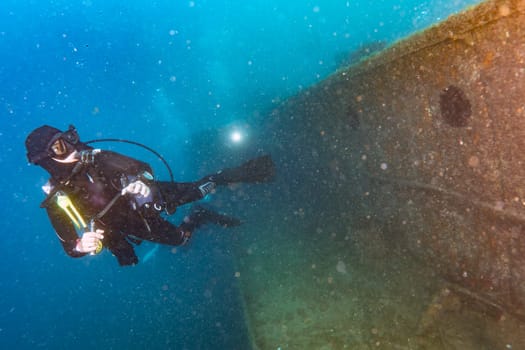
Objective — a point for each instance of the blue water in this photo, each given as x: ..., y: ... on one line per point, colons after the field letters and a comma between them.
x: 169, y: 74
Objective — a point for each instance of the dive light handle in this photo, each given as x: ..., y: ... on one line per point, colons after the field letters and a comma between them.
x: 92, y: 228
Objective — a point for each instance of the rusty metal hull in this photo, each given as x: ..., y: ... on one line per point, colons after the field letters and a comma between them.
x: 427, y: 140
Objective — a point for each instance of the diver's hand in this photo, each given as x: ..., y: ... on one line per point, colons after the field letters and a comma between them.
x: 90, y: 242
x: 137, y: 187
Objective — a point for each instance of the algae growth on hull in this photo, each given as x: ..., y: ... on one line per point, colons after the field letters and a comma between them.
x: 387, y: 233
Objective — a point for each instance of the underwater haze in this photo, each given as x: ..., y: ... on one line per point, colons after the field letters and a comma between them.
x: 178, y: 76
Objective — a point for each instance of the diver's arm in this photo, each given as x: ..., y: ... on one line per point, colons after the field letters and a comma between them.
x: 65, y: 231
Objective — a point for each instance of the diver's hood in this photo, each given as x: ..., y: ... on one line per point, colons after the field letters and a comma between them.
x: 38, y: 146
x: 38, y: 143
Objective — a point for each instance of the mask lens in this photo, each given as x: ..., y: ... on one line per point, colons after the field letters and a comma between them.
x: 59, y: 147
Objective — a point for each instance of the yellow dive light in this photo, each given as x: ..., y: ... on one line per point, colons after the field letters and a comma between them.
x: 67, y: 206
x: 64, y: 202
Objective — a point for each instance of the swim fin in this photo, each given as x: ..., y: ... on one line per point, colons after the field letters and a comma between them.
x: 257, y: 170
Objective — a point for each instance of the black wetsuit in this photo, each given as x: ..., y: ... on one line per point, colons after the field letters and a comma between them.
x: 131, y: 218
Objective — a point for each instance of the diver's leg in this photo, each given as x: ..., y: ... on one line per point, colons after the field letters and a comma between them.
x: 161, y: 231
x: 179, y: 193
x: 257, y: 170
x: 201, y: 216
x: 121, y: 249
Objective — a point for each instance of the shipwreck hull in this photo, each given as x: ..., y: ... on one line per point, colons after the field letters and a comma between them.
x: 425, y: 140
x: 436, y: 124
x: 418, y: 150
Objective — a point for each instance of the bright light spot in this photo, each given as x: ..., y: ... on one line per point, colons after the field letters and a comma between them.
x: 236, y: 136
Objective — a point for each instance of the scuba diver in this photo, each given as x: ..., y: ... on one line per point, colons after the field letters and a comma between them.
x: 113, y: 201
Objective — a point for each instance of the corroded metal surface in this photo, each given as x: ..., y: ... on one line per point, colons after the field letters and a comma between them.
x: 427, y: 139
x: 399, y: 216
